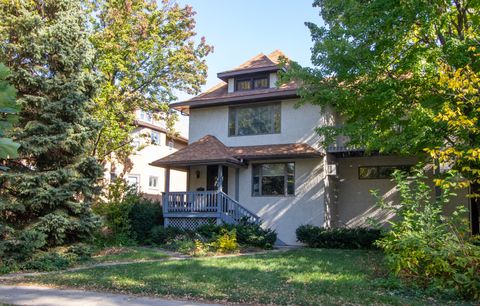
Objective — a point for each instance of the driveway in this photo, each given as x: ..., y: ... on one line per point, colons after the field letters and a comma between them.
x: 44, y: 296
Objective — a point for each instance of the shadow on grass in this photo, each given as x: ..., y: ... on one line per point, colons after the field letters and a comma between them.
x: 308, y: 277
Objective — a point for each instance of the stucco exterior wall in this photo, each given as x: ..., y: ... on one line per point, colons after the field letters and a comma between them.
x: 140, y: 168
x: 286, y: 213
x: 282, y: 213
x: 355, y: 204
x: 297, y: 125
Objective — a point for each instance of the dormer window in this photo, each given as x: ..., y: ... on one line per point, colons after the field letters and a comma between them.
x: 252, y: 82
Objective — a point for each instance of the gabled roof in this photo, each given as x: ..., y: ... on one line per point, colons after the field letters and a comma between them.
x: 219, y: 95
x: 157, y: 128
x: 207, y: 150
x: 210, y: 150
x: 259, y: 63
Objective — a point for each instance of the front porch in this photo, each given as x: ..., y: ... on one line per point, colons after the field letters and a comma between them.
x: 191, y: 209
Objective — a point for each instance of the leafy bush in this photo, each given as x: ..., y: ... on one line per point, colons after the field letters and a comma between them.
x: 226, y: 241
x: 338, y: 238
x: 427, y: 248
x: 47, y: 262
x: 144, y: 215
x: 183, y: 245
x: 252, y: 234
x: 128, y: 218
x: 24, y: 246
x: 248, y: 234
x: 162, y: 235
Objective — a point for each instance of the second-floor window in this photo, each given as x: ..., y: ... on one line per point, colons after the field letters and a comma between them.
x: 146, y: 116
x: 155, y: 136
x: 249, y: 83
x: 254, y: 119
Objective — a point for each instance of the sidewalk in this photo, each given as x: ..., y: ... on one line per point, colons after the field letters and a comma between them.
x: 37, y: 295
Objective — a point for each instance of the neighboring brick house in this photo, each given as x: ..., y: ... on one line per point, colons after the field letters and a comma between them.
x: 254, y: 154
x: 150, y: 140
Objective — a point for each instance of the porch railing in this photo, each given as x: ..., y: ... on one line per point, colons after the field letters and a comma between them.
x: 215, y: 203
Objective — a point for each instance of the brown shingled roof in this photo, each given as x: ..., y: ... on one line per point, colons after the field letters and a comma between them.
x: 274, y: 151
x: 206, y: 150
x: 219, y: 94
x: 210, y: 150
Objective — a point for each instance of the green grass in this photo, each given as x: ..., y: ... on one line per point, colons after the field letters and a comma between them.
x: 128, y: 254
x: 300, y: 277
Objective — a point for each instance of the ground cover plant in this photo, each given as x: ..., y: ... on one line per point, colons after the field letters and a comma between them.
x: 214, y: 239
x: 298, y: 277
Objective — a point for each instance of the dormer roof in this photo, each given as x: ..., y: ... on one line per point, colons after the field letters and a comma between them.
x: 259, y: 63
x: 220, y: 95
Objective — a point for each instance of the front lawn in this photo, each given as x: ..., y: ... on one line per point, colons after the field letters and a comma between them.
x: 301, y: 277
x: 123, y: 254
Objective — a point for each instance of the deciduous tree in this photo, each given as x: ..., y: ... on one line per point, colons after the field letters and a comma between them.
x: 145, y: 52
x: 379, y: 64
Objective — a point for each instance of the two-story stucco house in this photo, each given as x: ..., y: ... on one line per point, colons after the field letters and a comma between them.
x: 252, y: 153
x: 150, y: 140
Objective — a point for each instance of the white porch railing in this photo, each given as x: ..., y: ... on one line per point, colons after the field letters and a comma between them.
x: 206, y: 204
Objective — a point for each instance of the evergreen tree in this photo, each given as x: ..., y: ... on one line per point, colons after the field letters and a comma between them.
x: 45, y: 196
x: 8, y: 109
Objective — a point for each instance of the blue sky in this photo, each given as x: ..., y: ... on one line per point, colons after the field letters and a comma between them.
x: 239, y: 30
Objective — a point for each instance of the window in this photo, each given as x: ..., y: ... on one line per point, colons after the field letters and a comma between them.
x: 273, y: 179
x: 146, y: 116
x: 380, y: 172
x: 155, y: 137
x: 133, y: 180
x: 153, y: 181
x: 136, y: 143
x: 254, y: 120
x: 257, y: 82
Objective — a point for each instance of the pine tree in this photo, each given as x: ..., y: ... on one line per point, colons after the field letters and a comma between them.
x: 45, y: 197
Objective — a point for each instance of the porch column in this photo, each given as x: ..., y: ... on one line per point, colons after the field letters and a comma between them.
x: 165, y: 196
x: 220, y: 178
x: 237, y: 184
x: 167, y: 180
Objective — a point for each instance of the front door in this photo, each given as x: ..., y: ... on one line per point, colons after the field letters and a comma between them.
x: 212, y: 178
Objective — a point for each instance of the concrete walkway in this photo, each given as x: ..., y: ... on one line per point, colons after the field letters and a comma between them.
x: 44, y: 296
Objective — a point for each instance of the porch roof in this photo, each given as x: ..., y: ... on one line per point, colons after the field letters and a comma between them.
x: 209, y: 150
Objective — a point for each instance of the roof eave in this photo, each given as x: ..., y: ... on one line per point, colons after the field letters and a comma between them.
x: 185, y: 106
x: 225, y: 75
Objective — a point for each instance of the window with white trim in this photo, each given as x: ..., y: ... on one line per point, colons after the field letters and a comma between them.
x: 146, y: 116
x: 155, y: 136
x: 153, y: 181
x: 273, y: 179
x: 133, y: 180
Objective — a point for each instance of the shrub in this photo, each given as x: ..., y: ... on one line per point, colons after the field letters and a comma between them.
x: 47, y: 262
x: 427, y: 248
x: 144, y: 215
x: 128, y: 218
x: 226, y: 241
x: 184, y: 245
x: 252, y: 234
x: 338, y: 238
x: 79, y: 252
x: 29, y: 242
x: 162, y: 235
x: 248, y: 234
